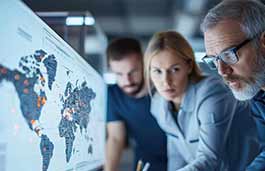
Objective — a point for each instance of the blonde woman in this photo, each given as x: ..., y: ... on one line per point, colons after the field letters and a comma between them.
x: 197, y: 112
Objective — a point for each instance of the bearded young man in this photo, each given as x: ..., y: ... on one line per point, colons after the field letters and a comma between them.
x: 128, y: 113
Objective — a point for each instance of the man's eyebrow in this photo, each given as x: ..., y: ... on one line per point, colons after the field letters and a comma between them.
x: 228, y: 48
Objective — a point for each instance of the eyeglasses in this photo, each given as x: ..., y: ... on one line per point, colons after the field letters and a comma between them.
x: 228, y: 56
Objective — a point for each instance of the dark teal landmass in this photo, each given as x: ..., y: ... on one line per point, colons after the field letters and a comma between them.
x: 46, y: 148
x: 51, y: 64
x: 31, y: 102
x: 78, y: 101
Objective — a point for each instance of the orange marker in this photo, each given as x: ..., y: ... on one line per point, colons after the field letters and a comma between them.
x: 43, y: 101
x: 33, y: 122
x: 42, y: 78
x: 38, y: 101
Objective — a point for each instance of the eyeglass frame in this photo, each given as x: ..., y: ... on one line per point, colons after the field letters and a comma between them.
x: 233, y: 50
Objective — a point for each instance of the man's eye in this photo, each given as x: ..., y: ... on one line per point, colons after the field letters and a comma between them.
x: 118, y: 74
x: 133, y: 72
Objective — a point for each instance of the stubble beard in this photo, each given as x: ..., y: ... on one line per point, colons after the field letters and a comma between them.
x: 139, y: 88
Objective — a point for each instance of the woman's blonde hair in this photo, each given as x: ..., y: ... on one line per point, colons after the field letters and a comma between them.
x: 175, y: 43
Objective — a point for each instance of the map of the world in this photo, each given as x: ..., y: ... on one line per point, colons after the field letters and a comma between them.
x: 52, y: 101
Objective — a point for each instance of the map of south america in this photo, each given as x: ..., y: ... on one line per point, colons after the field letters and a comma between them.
x: 29, y: 83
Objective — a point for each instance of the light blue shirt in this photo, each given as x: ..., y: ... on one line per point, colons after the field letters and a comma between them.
x: 209, y: 134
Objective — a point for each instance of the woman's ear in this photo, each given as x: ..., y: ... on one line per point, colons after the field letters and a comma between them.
x: 190, y: 65
x: 262, y: 40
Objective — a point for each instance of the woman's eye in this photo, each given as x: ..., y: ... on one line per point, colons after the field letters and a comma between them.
x: 173, y: 70
x: 156, y: 71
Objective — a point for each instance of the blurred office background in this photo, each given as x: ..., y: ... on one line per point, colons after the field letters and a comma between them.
x: 88, y: 26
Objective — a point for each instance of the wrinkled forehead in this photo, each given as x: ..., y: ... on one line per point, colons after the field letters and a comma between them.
x: 222, y: 36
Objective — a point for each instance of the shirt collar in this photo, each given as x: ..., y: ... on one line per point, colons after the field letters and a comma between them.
x: 186, y: 104
x: 260, y: 95
x: 170, y: 106
x: 189, y: 100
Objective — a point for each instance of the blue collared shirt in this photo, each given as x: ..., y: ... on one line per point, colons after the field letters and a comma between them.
x: 258, y: 108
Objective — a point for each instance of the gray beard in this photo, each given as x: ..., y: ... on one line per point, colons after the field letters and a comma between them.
x: 251, y: 89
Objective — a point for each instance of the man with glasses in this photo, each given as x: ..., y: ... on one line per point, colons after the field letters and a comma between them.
x: 235, y: 46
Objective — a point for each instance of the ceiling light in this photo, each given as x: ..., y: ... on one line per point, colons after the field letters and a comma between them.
x: 74, y: 21
x: 89, y: 21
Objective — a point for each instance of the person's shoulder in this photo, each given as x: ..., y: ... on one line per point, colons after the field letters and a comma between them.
x: 257, y: 103
x: 113, y: 88
x: 156, y: 98
x: 211, y: 84
x: 157, y: 103
x: 209, y: 81
x: 114, y: 91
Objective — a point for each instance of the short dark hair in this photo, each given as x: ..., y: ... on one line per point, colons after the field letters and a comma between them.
x: 119, y: 48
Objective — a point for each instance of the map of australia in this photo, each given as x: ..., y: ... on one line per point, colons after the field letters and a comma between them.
x: 31, y: 82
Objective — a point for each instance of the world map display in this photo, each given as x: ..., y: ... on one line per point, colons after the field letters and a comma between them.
x: 52, y: 101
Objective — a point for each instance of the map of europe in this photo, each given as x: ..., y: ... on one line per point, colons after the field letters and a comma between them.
x: 30, y: 85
